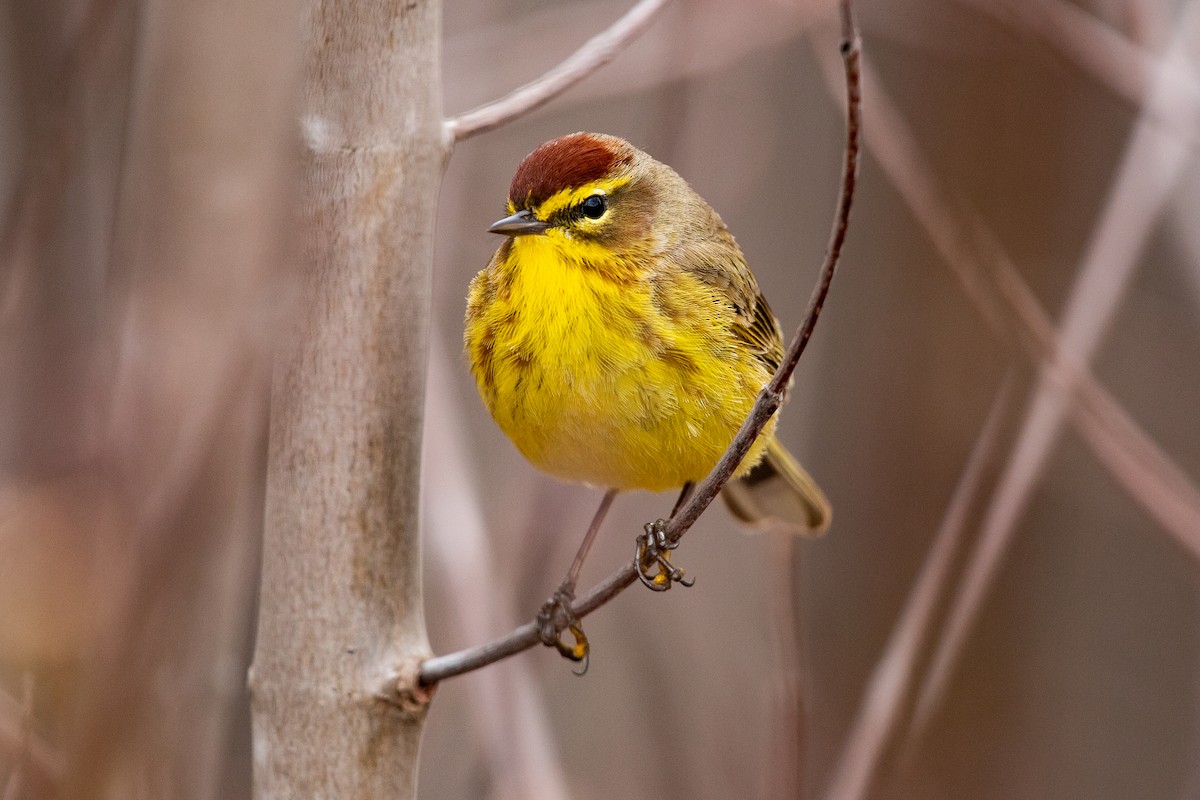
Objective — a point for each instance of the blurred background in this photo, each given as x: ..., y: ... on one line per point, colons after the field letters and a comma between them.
x: 1007, y: 602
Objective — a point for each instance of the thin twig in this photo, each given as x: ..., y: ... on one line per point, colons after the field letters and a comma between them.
x: 439, y: 668
x: 594, y: 54
x: 893, y: 683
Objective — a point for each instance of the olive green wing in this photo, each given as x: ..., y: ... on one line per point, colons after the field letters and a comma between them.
x: 716, y: 260
x: 762, y: 334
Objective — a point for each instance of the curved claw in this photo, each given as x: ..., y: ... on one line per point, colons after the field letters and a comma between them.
x: 577, y: 652
x: 653, y: 550
x: 654, y: 583
x: 550, y: 630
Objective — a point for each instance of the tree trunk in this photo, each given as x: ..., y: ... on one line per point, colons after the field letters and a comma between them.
x: 341, y: 606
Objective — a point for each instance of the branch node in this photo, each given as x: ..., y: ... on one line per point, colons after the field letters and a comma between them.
x: 404, y: 690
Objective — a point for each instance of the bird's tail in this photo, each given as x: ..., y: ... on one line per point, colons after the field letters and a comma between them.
x: 778, y: 495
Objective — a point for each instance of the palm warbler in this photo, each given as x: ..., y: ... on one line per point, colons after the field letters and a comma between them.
x: 619, y: 339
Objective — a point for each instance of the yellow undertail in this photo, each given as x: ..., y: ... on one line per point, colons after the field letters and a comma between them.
x: 778, y: 495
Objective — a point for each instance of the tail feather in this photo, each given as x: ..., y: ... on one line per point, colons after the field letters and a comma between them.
x: 778, y: 495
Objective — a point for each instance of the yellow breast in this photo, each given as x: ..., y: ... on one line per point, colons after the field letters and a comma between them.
x: 617, y: 378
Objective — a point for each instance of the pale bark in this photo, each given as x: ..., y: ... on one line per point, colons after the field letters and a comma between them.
x: 341, y: 609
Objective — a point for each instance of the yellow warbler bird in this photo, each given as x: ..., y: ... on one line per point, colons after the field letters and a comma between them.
x: 619, y: 339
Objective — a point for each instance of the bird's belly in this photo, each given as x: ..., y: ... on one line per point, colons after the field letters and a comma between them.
x: 619, y: 430
x: 609, y: 393
x: 609, y: 437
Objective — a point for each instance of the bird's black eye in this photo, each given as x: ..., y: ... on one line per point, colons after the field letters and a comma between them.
x: 594, y: 206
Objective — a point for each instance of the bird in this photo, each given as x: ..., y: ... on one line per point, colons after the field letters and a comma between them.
x: 619, y: 339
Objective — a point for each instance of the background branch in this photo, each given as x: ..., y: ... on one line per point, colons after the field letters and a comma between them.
x: 510, y: 714
x: 594, y: 54
x: 993, y: 283
x: 1126, y: 68
x: 1150, y: 171
x: 891, y: 691
x: 33, y: 758
x: 1154, y: 161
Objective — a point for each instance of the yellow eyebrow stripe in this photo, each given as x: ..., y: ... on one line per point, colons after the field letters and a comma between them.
x: 569, y: 197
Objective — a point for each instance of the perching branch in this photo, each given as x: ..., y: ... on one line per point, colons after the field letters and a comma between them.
x: 769, y: 400
x: 594, y: 54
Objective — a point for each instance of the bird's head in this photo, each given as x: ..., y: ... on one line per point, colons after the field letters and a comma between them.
x: 593, y: 198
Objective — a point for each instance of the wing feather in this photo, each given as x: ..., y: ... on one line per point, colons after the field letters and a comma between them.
x: 715, y: 259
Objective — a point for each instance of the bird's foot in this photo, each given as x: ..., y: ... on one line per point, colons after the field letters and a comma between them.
x: 654, y: 552
x: 555, y: 616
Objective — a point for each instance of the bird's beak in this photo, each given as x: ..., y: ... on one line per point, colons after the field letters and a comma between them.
x: 521, y: 223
